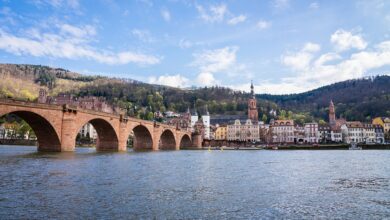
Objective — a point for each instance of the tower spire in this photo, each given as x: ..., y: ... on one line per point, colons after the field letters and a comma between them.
x: 252, y: 89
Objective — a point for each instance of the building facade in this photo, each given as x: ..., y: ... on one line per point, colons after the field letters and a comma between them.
x: 221, y: 132
x: 282, y: 131
x: 353, y: 132
x: 243, y: 131
x: 311, y: 133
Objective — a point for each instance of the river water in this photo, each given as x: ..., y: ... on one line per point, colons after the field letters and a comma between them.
x: 194, y: 184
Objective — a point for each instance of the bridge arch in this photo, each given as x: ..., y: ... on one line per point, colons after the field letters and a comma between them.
x: 142, y: 138
x: 185, y: 141
x: 107, y: 138
x: 167, y: 140
x: 47, y: 136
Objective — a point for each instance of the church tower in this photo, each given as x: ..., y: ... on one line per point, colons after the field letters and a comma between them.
x: 252, y: 108
x: 332, y: 114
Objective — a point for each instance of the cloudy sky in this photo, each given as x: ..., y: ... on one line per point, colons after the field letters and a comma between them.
x: 284, y: 46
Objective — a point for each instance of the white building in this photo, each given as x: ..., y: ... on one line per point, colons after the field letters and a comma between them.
x: 353, y: 132
x: 282, y: 131
x: 206, y: 123
x: 379, y: 134
x: 336, y: 136
x: 88, y: 130
x: 369, y: 136
x: 311, y: 133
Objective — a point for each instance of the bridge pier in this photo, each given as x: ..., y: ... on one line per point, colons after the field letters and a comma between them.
x: 68, y: 142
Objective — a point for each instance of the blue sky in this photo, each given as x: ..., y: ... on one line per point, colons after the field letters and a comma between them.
x: 284, y: 46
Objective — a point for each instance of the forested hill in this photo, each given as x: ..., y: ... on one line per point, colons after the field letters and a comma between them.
x: 359, y: 99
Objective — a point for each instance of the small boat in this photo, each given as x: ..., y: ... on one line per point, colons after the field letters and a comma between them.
x: 354, y: 146
x: 275, y: 148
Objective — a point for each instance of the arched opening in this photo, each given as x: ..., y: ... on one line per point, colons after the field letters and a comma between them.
x: 32, y: 125
x: 142, y: 139
x: 185, y: 142
x: 99, y: 133
x: 167, y: 141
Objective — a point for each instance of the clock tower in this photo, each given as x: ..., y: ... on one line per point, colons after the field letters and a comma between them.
x: 252, y: 108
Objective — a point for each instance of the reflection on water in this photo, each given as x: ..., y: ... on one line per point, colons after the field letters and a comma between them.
x: 194, y: 184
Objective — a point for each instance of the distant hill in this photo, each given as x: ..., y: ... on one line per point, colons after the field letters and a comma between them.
x: 359, y: 99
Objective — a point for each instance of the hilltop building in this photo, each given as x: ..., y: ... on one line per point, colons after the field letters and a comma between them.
x: 88, y: 102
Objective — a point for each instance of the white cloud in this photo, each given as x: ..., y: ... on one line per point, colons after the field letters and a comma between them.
x: 237, y: 19
x: 143, y: 35
x: 78, y: 32
x: 215, y: 13
x: 301, y: 60
x: 170, y: 80
x: 215, y: 60
x: 73, y: 4
x: 281, y: 4
x: 166, y: 15
x: 206, y: 79
x: 218, y: 61
x: 327, y: 68
x: 184, y: 44
x: 71, y: 43
x: 262, y: 24
x: 344, y: 40
x: 314, y: 5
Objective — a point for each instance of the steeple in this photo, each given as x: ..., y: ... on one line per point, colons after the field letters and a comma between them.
x: 332, y: 114
x: 252, y: 89
x: 195, y: 112
x: 207, y: 111
x: 252, y: 107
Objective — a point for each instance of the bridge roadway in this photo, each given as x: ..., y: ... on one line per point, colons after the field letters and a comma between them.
x: 56, y: 128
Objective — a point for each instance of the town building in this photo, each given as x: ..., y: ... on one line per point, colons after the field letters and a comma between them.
x: 282, y: 131
x: 353, y: 132
x: 311, y: 133
x: 221, y: 132
x: 369, y: 135
x: 379, y: 134
x: 181, y: 121
x: 324, y: 133
x: 385, y: 123
x: 206, y: 123
x: 265, y: 133
x: 243, y: 131
x: 336, y: 135
x: 88, y: 102
x: 88, y: 131
x: 299, y: 134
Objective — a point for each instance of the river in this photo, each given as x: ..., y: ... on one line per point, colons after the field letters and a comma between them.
x: 194, y: 184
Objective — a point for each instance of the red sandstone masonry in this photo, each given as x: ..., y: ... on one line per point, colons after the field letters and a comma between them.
x: 56, y: 128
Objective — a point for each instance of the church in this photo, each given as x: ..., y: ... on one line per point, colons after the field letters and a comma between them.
x: 246, y: 130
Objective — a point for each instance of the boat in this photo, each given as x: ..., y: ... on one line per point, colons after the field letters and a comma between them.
x: 354, y: 146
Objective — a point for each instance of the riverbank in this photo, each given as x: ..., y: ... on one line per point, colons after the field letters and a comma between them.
x: 303, y: 147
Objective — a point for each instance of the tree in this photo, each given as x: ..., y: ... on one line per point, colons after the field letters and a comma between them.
x: 264, y: 118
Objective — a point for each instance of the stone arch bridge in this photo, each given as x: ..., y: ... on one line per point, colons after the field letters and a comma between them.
x: 56, y: 128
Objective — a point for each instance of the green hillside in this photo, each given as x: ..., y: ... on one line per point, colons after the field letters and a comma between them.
x: 359, y: 99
